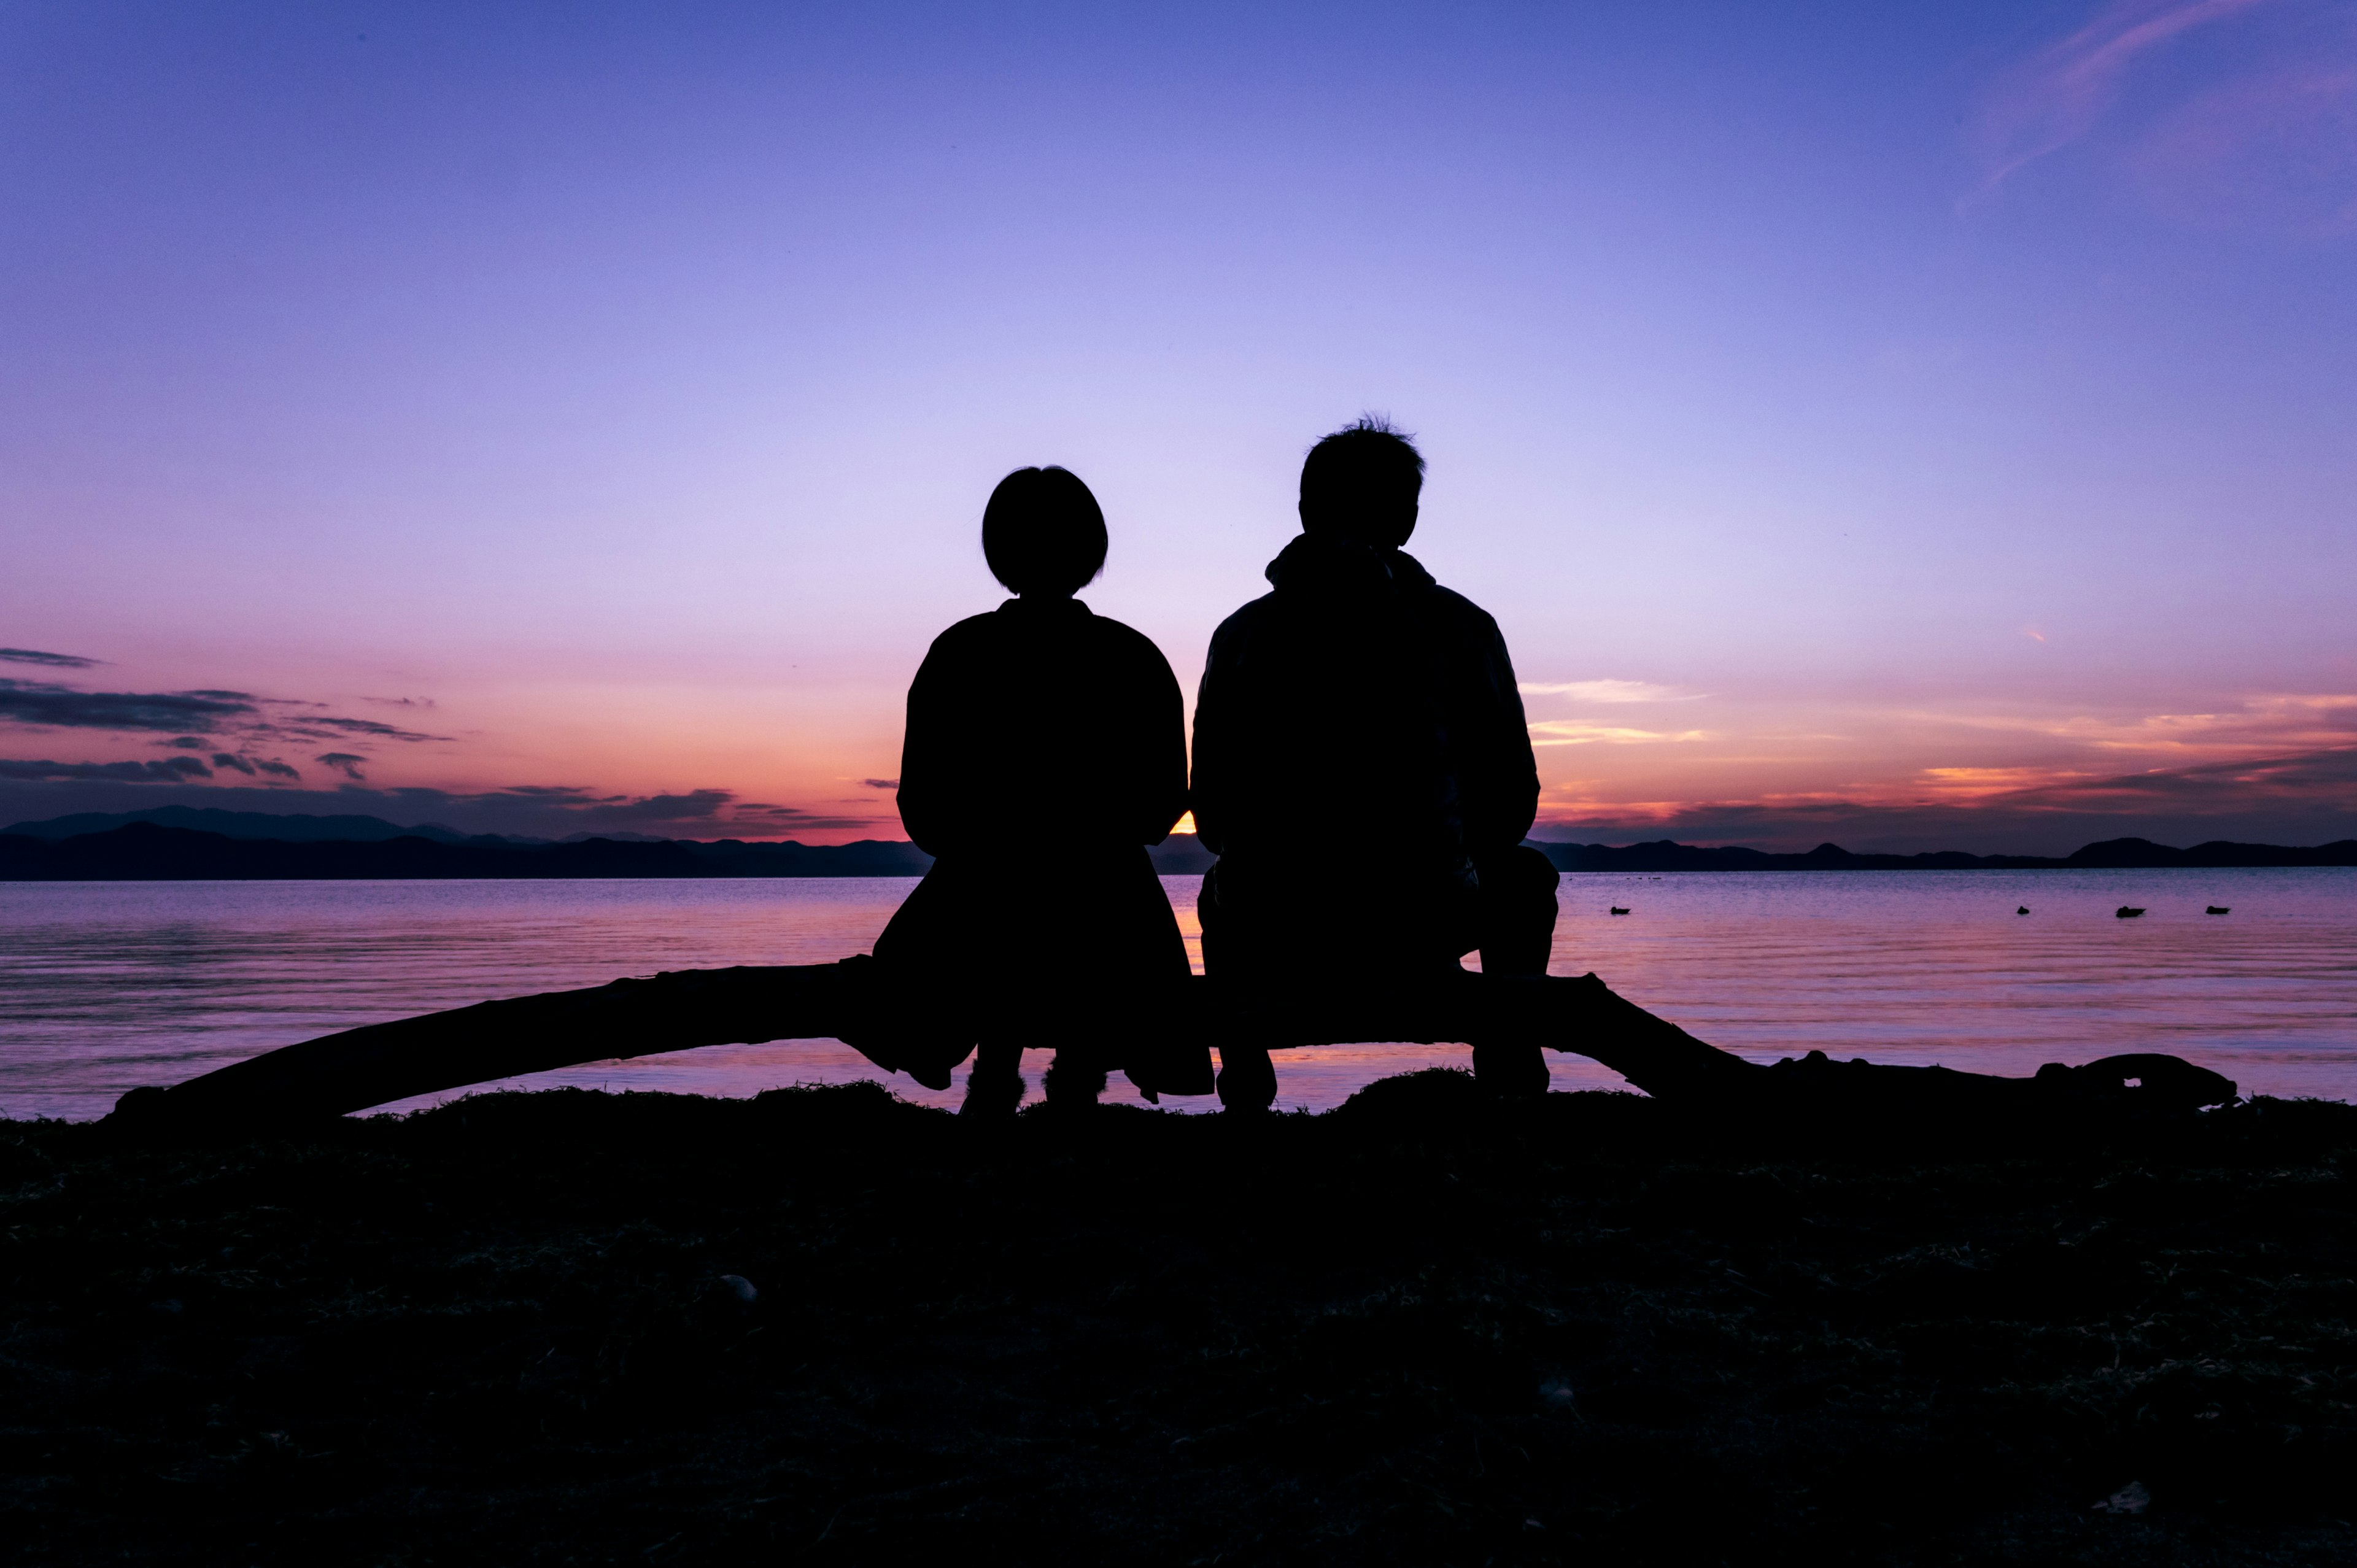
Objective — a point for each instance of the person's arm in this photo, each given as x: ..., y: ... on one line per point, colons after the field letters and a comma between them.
x: 1208, y: 793
x: 1161, y: 747
x: 931, y: 806
x: 1500, y: 782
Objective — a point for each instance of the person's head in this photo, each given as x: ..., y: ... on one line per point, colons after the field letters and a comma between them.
x: 1043, y: 533
x: 1362, y: 483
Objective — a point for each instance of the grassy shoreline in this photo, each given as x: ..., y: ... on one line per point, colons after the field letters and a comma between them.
x: 1420, y: 1329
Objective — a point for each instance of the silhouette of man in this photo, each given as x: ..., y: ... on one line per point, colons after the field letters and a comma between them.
x: 1362, y: 770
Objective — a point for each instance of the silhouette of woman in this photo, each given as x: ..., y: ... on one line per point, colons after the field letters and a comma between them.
x: 1045, y: 749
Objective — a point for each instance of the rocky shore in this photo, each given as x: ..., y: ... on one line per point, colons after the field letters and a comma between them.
x: 1424, y: 1328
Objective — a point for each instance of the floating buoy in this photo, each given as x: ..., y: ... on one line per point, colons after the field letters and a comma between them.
x: 2217, y: 909
x: 1617, y: 910
x: 2127, y: 911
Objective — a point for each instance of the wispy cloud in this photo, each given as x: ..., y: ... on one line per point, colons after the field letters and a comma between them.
x: 2301, y: 798
x: 2273, y: 149
x: 368, y: 729
x: 2058, y: 94
x: 234, y: 725
x: 54, y: 661
x: 570, y: 808
x: 2325, y: 778
x: 2262, y: 723
x: 43, y: 789
x: 1607, y: 691
x: 694, y: 805
x: 2270, y: 767
x: 240, y: 732
x: 1571, y: 732
x: 255, y: 767
x: 758, y: 816
x: 2320, y: 777
x: 52, y: 706
x: 1973, y: 783
x: 2258, y: 127
x: 156, y: 770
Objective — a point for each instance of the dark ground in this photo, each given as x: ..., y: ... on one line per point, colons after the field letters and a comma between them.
x: 1419, y: 1329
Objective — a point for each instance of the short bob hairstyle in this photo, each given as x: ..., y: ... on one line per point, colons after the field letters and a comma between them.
x: 1043, y: 532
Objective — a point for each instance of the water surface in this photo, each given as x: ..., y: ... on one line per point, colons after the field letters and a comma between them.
x: 108, y: 985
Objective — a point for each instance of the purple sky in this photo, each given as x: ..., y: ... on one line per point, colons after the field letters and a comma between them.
x: 1920, y: 427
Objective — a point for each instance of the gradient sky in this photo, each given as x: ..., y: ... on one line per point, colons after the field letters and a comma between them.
x: 1916, y: 426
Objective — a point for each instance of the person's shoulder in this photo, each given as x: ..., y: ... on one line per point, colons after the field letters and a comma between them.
x: 1459, y: 610
x: 1120, y: 632
x: 974, y: 629
x: 1245, y: 617
x: 963, y: 642
x: 1121, y: 640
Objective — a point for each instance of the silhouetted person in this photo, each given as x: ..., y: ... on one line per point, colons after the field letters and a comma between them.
x: 1361, y: 768
x: 1046, y: 748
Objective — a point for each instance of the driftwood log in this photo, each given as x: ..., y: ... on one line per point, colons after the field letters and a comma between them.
x: 855, y: 1000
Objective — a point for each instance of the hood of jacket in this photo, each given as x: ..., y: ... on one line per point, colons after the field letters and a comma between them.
x: 1327, y: 564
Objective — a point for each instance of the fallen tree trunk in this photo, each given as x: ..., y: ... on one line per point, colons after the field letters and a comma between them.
x: 384, y: 1062
x: 854, y: 1000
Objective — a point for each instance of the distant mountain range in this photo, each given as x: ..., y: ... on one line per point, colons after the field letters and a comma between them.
x: 173, y: 843
x: 2140, y: 854
x: 148, y: 852
x: 185, y: 843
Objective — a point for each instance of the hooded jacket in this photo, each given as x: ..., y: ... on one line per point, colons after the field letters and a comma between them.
x: 1358, y: 735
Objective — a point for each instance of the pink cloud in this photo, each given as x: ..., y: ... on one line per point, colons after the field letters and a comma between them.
x: 2277, y: 149
x: 2057, y: 95
x: 2305, y: 798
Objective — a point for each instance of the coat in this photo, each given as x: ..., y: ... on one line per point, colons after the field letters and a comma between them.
x: 1360, y: 749
x: 1045, y: 750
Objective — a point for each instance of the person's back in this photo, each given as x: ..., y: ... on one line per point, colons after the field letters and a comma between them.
x: 1362, y: 764
x: 1042, y: 729
x: 1046, y: 748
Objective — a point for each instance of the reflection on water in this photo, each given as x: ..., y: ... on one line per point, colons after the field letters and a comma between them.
x: 107, y: 986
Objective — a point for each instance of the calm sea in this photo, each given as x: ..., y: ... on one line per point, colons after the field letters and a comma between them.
x: 107, y: 986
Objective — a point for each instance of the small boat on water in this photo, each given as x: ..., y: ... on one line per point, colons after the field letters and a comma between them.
x: 2023, y: 910
x: 2127, y: 912
x: 2217, y: 909
x: 1615, y: 909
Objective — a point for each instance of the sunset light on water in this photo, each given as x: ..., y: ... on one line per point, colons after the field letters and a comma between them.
x: 122, y: 984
